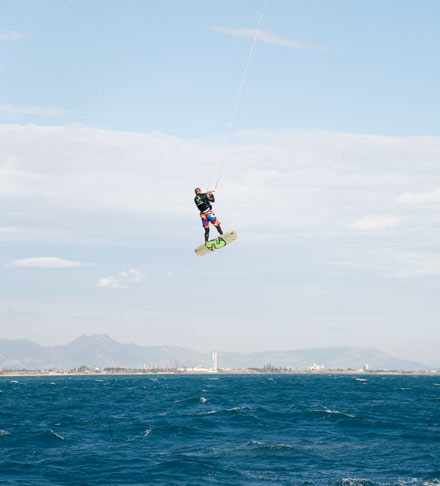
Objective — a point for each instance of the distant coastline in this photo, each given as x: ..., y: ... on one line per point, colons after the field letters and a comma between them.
x: 21, y: 373
x: 102, y: 353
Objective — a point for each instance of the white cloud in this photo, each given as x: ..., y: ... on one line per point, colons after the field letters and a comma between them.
x: 6, y: 230
x: 122, y: 280
x: 45, y: 262
x: 262, y: 36
x: 375, y: 223
x: 32, y: 110
x: 416, y: 264
x: 432, y: 196
x: 108, y: 184
x: 11, y: 36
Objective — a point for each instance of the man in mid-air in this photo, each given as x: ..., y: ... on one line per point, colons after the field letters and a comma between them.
x: 203, y: 202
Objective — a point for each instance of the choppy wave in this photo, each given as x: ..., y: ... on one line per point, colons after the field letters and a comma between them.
x: 398, y: 482
x: 228, y: 430
x: 270, y: 446
x: 226, y: 411
x: 357, y: 482
x: 49, y: 438
x: 325, y: 410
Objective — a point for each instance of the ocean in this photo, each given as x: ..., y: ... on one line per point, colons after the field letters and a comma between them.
x: 341, y: 430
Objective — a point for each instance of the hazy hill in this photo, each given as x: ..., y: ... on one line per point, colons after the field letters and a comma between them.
x: 331, y: 358
x: 102, y: 351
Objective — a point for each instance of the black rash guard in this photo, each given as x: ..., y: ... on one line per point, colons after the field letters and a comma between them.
x: 203, y: 201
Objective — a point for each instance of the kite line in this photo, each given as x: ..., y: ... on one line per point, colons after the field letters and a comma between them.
x: 218, y: 168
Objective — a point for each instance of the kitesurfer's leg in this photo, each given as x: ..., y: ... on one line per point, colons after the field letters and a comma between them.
x: 219, y: 229
x: 205, y: 223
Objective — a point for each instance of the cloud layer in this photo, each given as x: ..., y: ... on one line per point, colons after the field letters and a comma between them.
x: 45, y: 262
x: 329, y: 252
x: 288, y: 184
x: 423, y: 197
x: 416, y: 264
x: 375, y: 223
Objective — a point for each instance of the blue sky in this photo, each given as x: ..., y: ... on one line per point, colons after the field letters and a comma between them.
x: 112, y: 112
x: 142, y: 65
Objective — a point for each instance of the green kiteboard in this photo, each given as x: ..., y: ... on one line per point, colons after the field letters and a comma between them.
x: 219, y: 242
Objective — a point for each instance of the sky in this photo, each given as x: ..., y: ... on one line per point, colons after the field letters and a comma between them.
x: 112, y: 112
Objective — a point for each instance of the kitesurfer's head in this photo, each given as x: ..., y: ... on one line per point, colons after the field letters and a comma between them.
x: 197, y: 190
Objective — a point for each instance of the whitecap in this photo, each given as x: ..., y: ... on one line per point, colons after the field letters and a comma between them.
x: 209, y: 412
x: 361, y: 379
x: 146, y: 433
x: 56, y: 435
x: 355, y: 482
x: 420, y: 482
x: 203, y: 399
x: 4, y: 432
x: 339, y: 412
x: 336, y: 412
x: 270, y: 445
x: 14, y: 381
x: 255, y: 442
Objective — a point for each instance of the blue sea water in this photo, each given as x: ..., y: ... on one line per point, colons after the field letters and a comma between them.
x: 220, y: 429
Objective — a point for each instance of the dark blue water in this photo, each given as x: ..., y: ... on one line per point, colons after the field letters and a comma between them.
x: 228, y: 430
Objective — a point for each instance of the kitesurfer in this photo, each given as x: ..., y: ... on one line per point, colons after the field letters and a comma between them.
x: 203, y: 202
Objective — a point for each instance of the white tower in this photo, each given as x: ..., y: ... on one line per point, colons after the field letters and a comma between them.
x: 214, y: 361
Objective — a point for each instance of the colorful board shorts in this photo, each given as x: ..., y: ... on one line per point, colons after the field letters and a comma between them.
x: 209, y: 217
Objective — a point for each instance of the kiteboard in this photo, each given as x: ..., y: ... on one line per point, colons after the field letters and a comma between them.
x: 219, y: 242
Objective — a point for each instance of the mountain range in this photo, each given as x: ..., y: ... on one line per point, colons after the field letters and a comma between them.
x: 102, y: 351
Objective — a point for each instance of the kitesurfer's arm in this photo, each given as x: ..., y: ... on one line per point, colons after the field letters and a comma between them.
x: 210, y: 196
